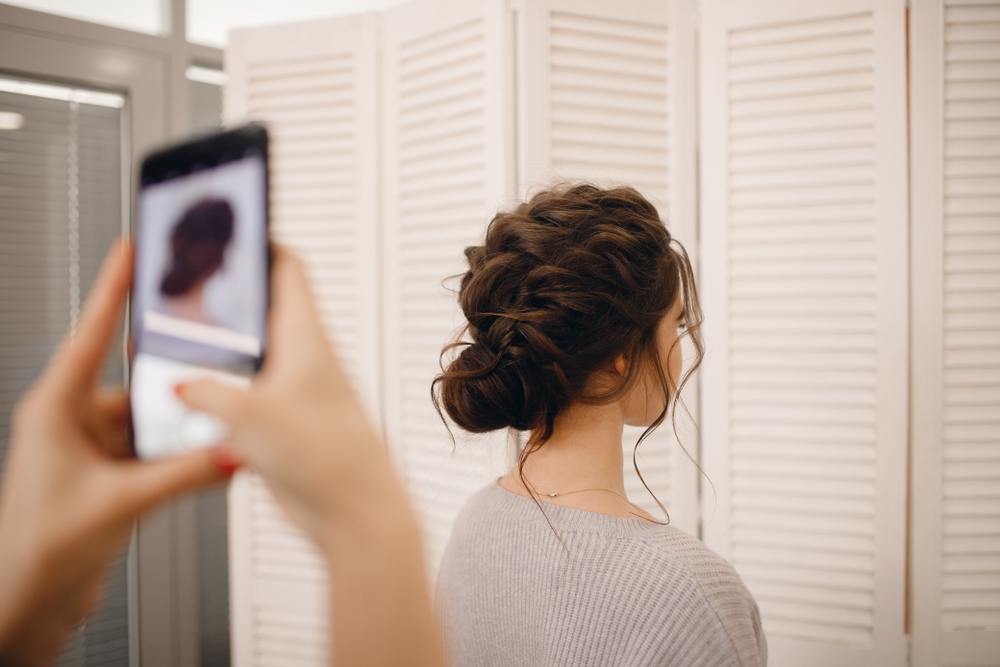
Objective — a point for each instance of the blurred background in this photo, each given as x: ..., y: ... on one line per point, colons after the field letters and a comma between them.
x: 833, y: 167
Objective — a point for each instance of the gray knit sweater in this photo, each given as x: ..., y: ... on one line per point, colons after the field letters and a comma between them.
x: 629, y: 592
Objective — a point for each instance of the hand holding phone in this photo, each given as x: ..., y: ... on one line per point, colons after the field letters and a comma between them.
x: 200, y: 288
x: 70, y: 494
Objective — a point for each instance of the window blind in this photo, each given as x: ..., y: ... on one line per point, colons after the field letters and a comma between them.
x: 61, y: 178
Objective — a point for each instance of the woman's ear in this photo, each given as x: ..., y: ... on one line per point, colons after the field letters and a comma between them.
x: 621, y: 364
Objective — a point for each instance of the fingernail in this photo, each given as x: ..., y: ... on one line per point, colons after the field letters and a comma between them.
x: 227, y: 461
x: 229, y: 469
x: 179, y: 389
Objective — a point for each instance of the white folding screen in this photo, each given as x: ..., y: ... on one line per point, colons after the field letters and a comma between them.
x: 447, y: 150
x: 955, y: 130
x: 606, y: 93
x: 804, y: 278
x: 314, y: 85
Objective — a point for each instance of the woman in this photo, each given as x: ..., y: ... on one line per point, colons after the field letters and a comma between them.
x: 576, y: 303
x: 198, y: 245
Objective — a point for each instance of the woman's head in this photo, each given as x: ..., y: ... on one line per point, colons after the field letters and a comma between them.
x: 197, y: 245
x: 575, y: 296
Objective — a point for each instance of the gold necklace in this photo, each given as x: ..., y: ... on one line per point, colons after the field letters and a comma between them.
x: 559, y: 494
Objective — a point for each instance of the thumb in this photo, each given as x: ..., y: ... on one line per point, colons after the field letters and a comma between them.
x: 150, y: 482
x: 220, y: 400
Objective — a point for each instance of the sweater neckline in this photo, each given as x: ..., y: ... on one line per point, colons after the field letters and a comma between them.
x: 566, y: 517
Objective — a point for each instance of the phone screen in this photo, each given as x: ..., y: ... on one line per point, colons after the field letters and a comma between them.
x: 200, y: 288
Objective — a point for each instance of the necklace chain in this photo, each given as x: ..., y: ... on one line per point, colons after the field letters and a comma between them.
x: 560, y: 494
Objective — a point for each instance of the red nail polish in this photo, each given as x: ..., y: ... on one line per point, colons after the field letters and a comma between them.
x: 227, y: 461
x: 178, y: 390
x: 229, y: 469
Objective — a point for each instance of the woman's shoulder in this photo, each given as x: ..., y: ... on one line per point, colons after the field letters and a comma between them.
x: 660, y: 548
x: 678, y: 546
x: 715, y: 575
x: 494, y: 512
x: 673, y: 569
x: 478, y: 508
x: 720, y: 585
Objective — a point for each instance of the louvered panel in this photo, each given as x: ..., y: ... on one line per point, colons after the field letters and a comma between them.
x: 956, y: 223
x: 310, y: 112
x: 308, y: 115
x: 615, y: 106
x: 313, y: 85
x: 441, y: 98
x: 445, y: 170
x: 609, y: 101
x: 804, y: 210
x: 820, y: 61
x: 970, y: 580
x: 440, y: 481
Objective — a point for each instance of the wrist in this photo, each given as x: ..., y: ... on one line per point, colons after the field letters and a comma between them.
x: 30, y: 634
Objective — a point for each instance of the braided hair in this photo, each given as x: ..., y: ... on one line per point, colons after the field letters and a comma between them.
x: 562, y: 285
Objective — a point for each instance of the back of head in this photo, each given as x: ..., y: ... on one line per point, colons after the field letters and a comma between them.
x: 562, y: 285
x: 197, y: 245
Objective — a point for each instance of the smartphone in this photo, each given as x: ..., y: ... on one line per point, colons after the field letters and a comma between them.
x: 199, y: 295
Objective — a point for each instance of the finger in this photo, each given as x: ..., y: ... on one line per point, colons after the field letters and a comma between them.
x: 110, y: 430
x: 216, y: 398
x: 112, y: 404
x: 226, y: 458
x: 296, y: 326
x: 79, y: 359
x: 149, y: 483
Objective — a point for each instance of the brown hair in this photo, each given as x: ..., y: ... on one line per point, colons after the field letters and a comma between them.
x: 197, y: 245
x: 562, y: 285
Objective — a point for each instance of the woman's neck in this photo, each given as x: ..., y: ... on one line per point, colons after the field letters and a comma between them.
x: 584, y: 452
x: 189, y: 305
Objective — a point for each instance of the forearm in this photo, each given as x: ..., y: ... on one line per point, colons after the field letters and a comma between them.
x: 382, y: 613
x: 31, y: 631
x: 46, y: 591
x: 30, y: 642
